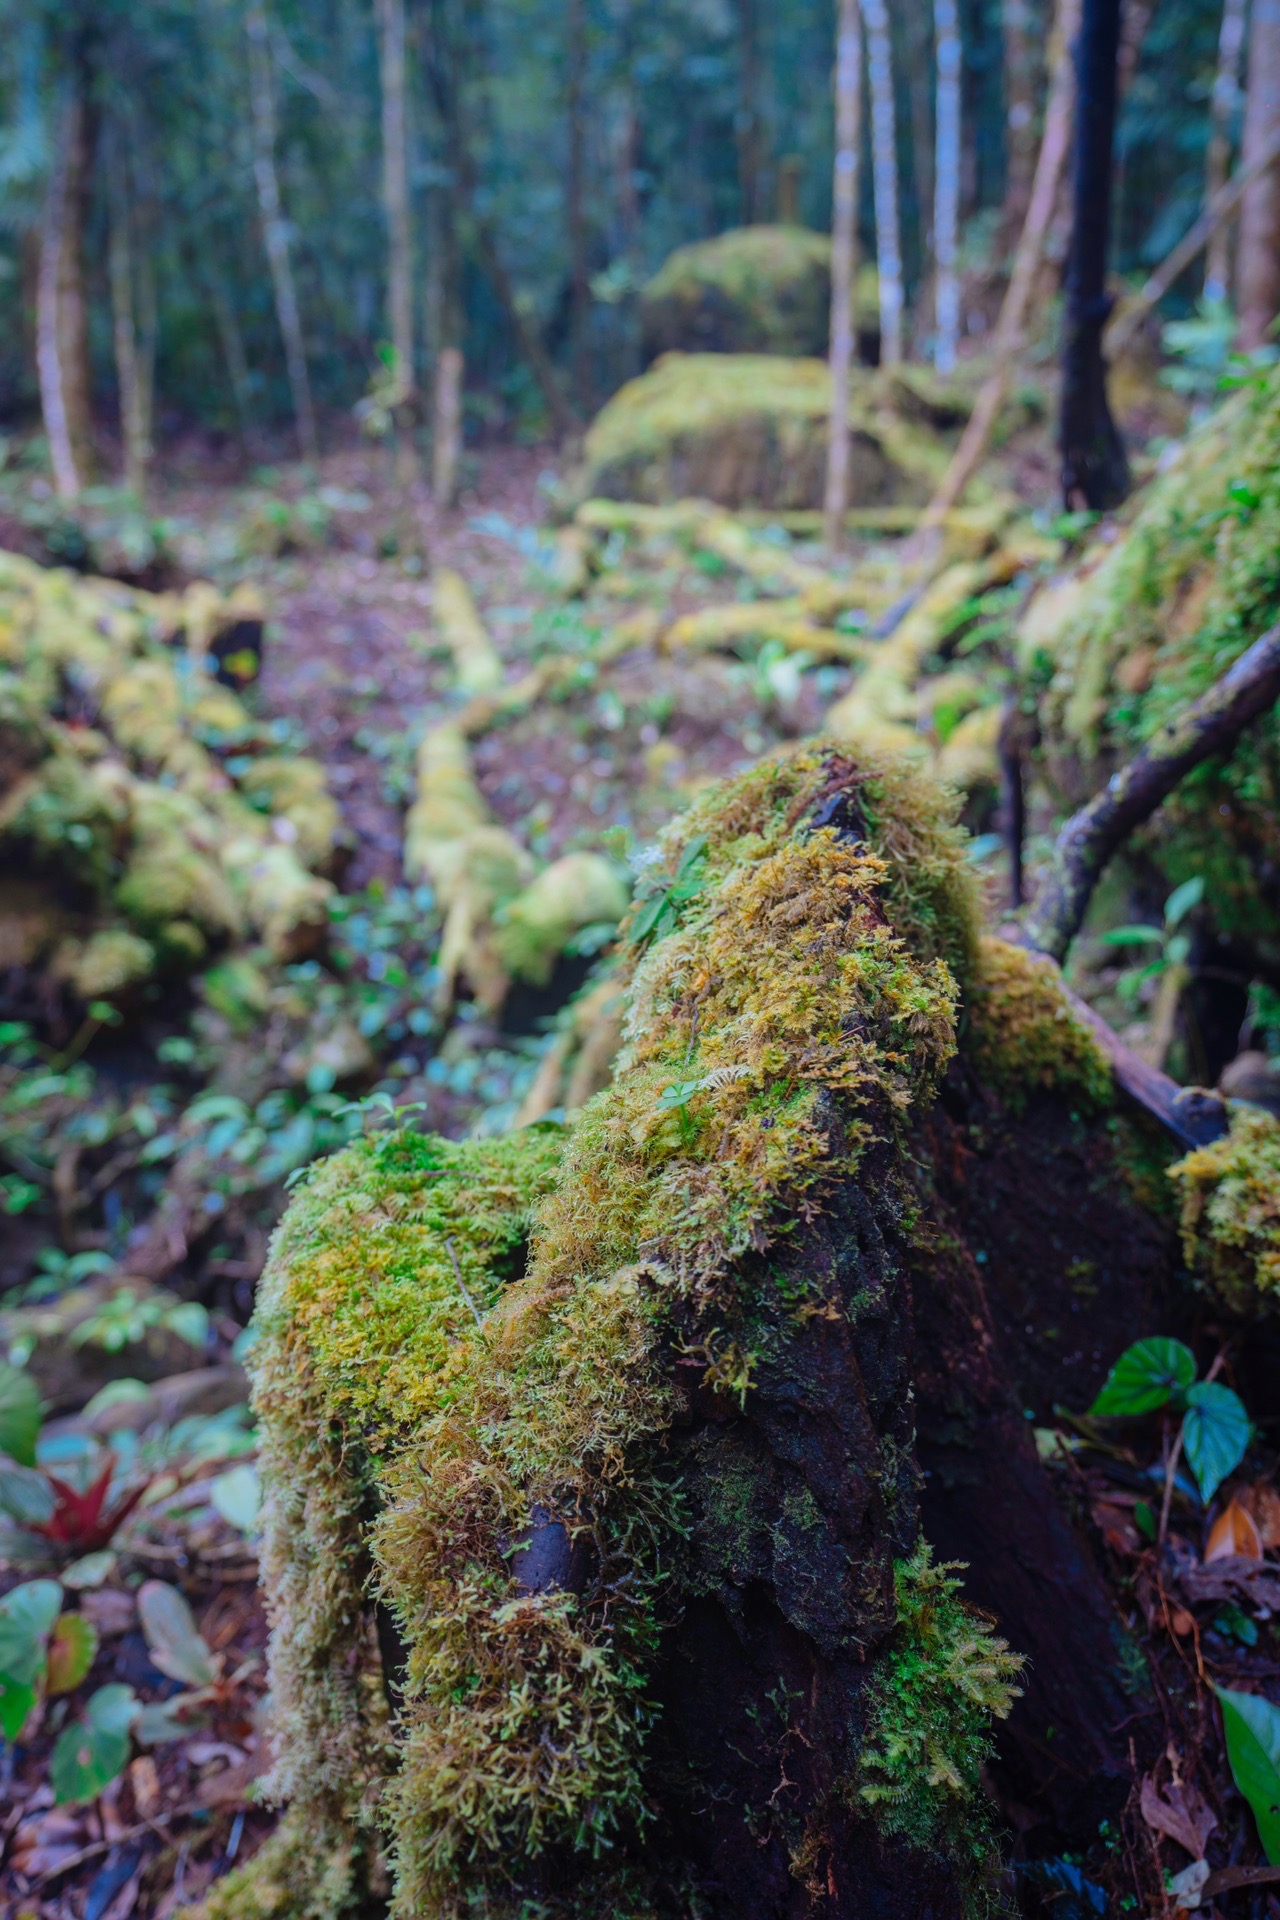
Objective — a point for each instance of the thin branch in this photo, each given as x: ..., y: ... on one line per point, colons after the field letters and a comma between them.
x: 1212, y: 724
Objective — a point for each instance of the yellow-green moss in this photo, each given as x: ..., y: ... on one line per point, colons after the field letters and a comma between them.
x: 1022, y: 1031
x: 1151, y: 620
x: 1230, y: 1211
x: 425, y: 1392
x: 946, y: 1676
x: 752, y: 290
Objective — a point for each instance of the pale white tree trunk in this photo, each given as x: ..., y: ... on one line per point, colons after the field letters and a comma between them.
x: 946, y: 183
x: 884, y: 167
x: 62, y: 362
x: 844, y: 250
x: 447, y: 452
x: 1226, y: 94
x: 275, y: 228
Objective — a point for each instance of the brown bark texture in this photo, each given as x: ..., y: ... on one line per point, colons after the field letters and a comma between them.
x: 1258, y: 257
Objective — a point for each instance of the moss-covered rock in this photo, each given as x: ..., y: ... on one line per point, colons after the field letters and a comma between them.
x: 1230, y: 1211
x: 751, y: 290
x: 750, y: 430
x: 524, y: 1406
x: 1148, y: 619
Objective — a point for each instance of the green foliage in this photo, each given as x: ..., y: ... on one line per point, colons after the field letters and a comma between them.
x: 946, y: 1676
x: 1147, y: 1375
x: 1162, y: 1373
x: 90, y: 1752
x: 1230, y: 1211
x: 1252, y: 1728
x: 19, y: 1414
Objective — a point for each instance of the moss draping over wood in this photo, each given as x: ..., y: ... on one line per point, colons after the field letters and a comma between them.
x: 436, y: 1403
x: 1230, y: 1211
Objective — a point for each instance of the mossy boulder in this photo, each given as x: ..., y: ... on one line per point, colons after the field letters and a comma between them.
x: 750, y: 430
x: 760, y: 289
x: 1154, y: 612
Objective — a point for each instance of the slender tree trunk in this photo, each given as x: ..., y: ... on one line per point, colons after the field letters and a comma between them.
x: 579, y: 286
x: 844, y: 251
x: 129, y: 375
x: 748, y: 119
x: 1226, y: 92
x: 1134, y: 20
x: 395, y: 199
x: 1011, y: 325
x: 1021, y: 72
x: 230, y: 337
x: 62, y: 336
x: 1095, y: 472
x: 946, y: 200
x: 447, y: 434
x: 1258, y: 252
x: 884, y: 165
x: 275, y: 230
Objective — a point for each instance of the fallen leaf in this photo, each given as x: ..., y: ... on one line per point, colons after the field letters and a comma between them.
x: 145, y: 1783
x: 1233, y: 1535
x: 1262, y: 1503
x: 1179, y: 1811
x: 1115, y: 1523
x: 1181, y: 1622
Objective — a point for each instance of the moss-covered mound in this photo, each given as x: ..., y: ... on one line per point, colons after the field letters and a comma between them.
x: 1151, y: 618
x: 145, y: 819
x: 750, y: 430
x: 502, y: 1384
x: 752, y: 290
x: 1230, y: 1195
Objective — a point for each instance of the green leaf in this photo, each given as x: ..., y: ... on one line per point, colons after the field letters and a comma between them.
x: 237, y: 1496
x: 172, y: 1636
x: 1215, y: 1434
x: 27, y: 1614
x: 1131, y: 937
x: 25, y: 1495
x: 692, y: 856
x: 16, y: 1702
x: 1252, y: 1727
x: 190, y: 1321
x: 72, y: 1645
x: 90, y: 1753
x: 1182, y: 900
x: 1147, y: 1375
x: 19, y: 1414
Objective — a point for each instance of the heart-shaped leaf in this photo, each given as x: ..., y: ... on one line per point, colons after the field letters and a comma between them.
x: 1147, y: 1375
x: 237, y: 1496
x: 1252, y: 1727
x: 1215, y: 1434
x: 172, y: 1636
x: 72, y: 1645
x: 19, y: 1414
x: 91, y: 1752
x: 16, y: 1702
x: 27, y: 1614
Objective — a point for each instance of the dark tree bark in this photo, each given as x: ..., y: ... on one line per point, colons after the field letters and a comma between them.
x: 1095, y: 472
x: 1258, y: 253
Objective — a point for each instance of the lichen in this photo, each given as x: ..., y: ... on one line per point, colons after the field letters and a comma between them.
x: 1230, y: 1211
x: 429, y: 1391
x: 946, y: 1676
x: 1022, y: 1032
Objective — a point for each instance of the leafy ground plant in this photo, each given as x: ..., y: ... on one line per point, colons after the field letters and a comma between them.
x: 1160, y: 1372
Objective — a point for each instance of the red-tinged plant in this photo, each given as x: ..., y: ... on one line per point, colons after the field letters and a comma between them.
x: 85, y: 1520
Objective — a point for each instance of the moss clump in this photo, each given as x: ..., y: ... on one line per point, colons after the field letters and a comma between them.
x: 1230, y: 1211
x: 1023, y: 1032
x: 431, y: 1398
x: 1150, y: 620
x: 751, y: 290
x: 751, y: 430
x: 945, y: 1678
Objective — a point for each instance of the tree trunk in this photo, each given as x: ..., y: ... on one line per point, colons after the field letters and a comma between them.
x: 446, y: 450
x: 1007, y: 343
x: 946, y: 201
x: 748, y: 115
x: 1258, y: 252
x: 1226, y: 94
x: 275, y: 230
x: 230, y: 337
x: 575, y: 213
x: 884, y: 167
x: 1021, y: 72
x: 1095, y: 473
x: 844, y: 261
x: 395, y: 200
x: 130, y: 380
x: 62, y: 334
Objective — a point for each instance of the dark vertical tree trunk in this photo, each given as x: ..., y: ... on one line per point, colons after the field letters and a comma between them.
x: 1095, y: 473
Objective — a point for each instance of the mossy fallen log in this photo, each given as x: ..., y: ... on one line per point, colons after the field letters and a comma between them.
x: 594, y: 1551
x: 1146, y: 621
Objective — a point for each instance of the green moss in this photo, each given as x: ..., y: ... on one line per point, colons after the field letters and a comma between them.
x: 1152, y: 619
x: 751, y: 430
x: 1230, y: 1211
x: 944, y: 1679
x: 751, y: 290
x: 428, y: 1390
x: 1023, y: 1033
